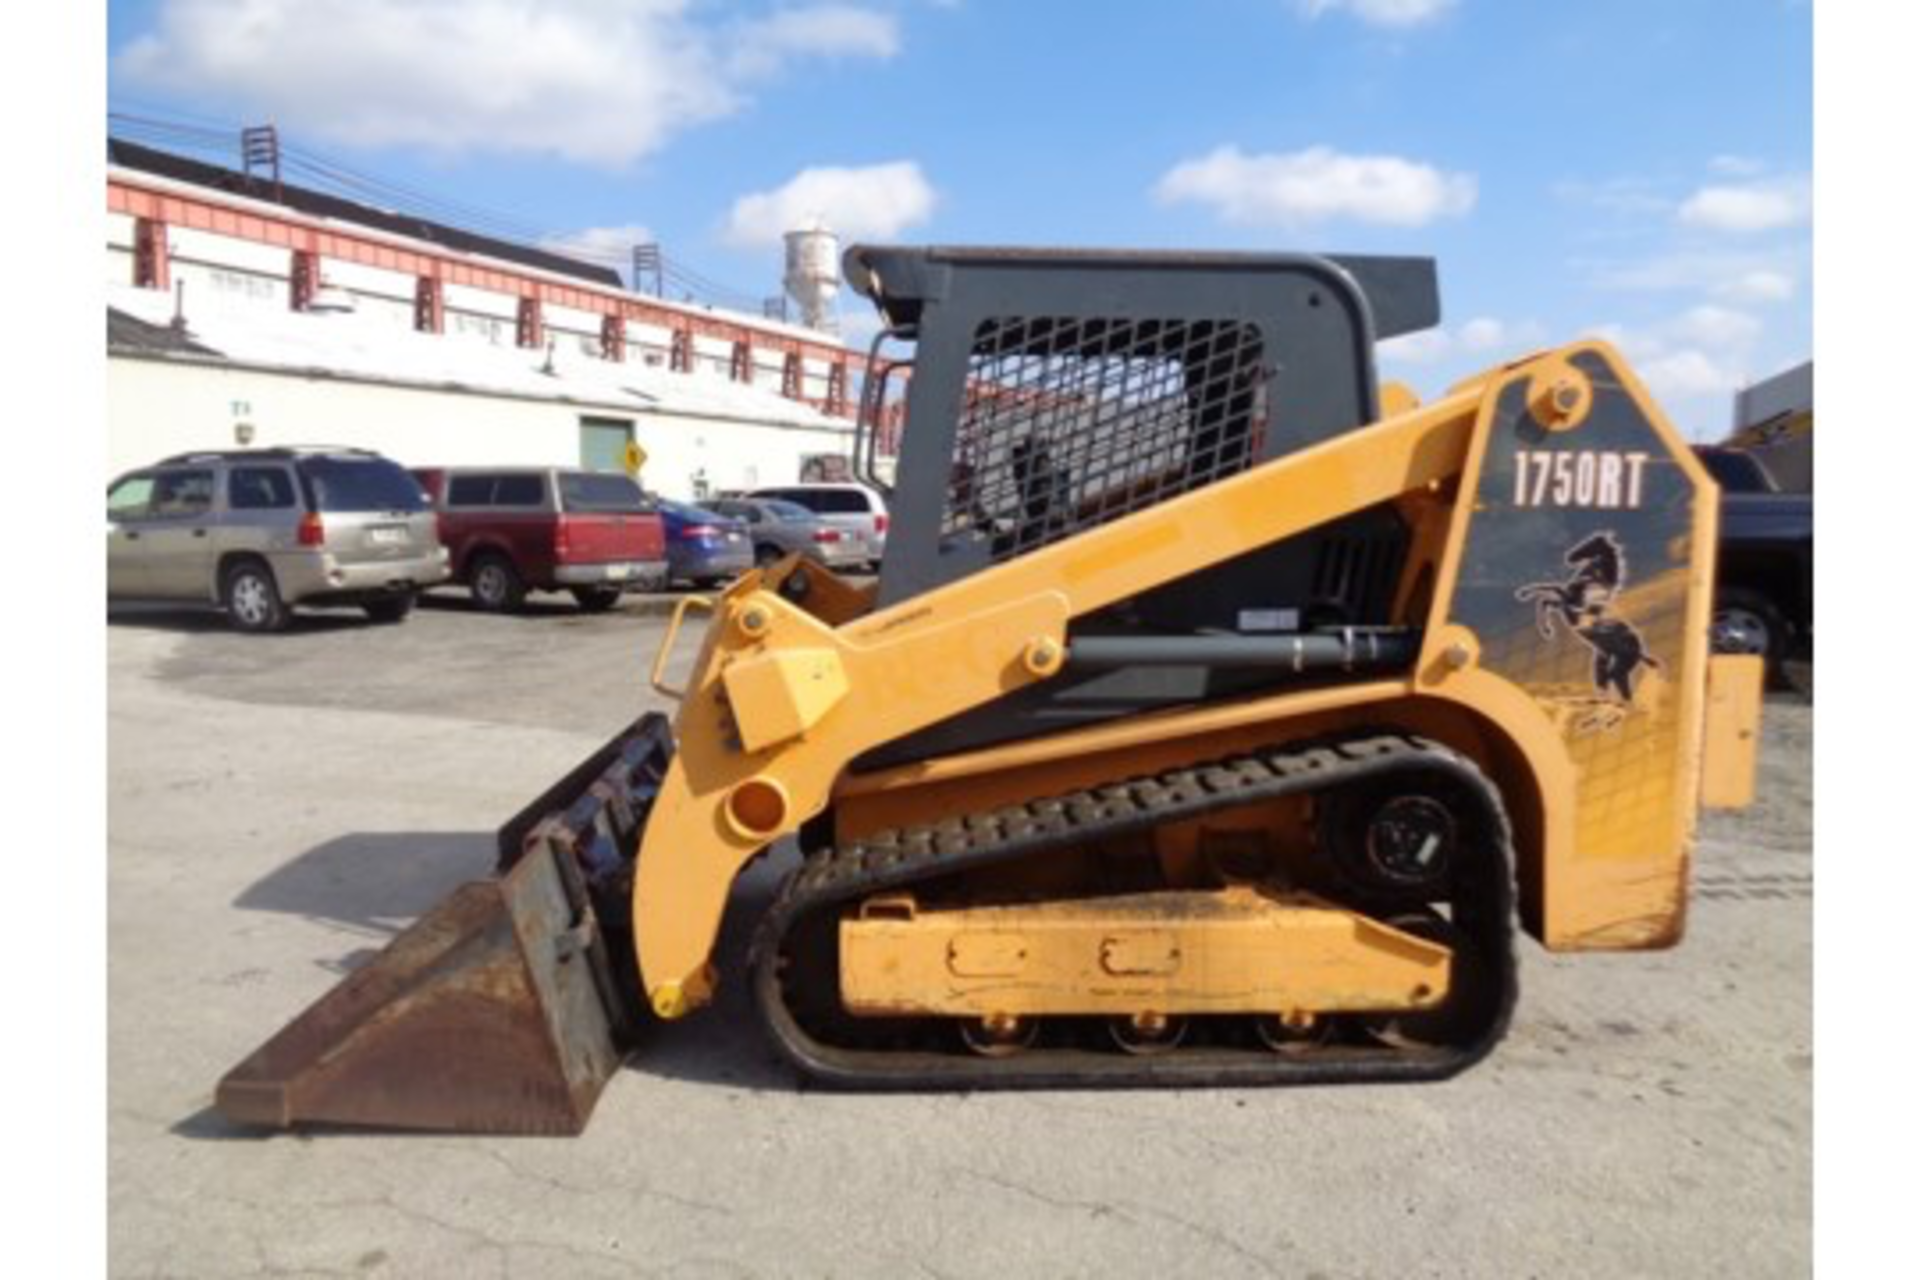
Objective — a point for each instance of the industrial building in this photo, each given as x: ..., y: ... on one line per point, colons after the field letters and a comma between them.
x: 243, y: 311
x: 1774, y: 419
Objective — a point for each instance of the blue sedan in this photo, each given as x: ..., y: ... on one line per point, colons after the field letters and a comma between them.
x: 704, y: 547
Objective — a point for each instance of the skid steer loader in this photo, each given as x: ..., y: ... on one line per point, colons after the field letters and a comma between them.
x: 1214, y: 717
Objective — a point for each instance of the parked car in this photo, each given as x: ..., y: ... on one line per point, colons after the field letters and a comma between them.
x: 780, y: 528
x: 259, y: 531
x: 511, y: 530
x: 1763, y: 591
x: 854, y: 507
x: 704, y: 547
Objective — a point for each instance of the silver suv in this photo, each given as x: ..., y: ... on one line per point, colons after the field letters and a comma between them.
x: 859, y: 511
x: 261, y: 530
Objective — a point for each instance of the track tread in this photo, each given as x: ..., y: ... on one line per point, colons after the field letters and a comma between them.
x: 902, y: 857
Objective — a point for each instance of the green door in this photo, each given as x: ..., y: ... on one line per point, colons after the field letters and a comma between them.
x: 603, y: 443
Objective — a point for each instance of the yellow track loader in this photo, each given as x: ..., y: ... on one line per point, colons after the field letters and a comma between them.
x: 1215, y: 716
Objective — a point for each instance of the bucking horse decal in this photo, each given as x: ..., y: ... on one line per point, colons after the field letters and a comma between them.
x: 1583, y: 603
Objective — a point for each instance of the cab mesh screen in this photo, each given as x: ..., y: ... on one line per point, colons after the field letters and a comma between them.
x: 1069, y: 423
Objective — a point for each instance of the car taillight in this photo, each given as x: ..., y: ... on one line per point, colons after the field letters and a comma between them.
x: 312, y: 532
x: 703, y: 531
x: 562, y: 545
x: 880, y: 523
x: 826, y: 535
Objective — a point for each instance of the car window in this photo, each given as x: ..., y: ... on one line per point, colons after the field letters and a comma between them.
x: 520, y: 491
x: 360, y: 484
x: 129, y: 499
x: 181, y: 493
x: 469, y: 491
x: 827, y: 501
x: 739, y: 510
x: 786, y: 512
x: 602, y: 491
x: 259, y: 489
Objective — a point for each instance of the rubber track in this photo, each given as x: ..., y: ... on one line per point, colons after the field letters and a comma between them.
x: 901, y: 858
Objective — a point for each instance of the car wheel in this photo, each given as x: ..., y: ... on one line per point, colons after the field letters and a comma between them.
x: 252, y: 597
x: 394, y: 608
x: 496, y: 584
x: 596, y: 599
x: 765, y: 554
x: 1746, y: 622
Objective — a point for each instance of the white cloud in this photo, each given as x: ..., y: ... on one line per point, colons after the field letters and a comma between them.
x: 877, y: 202
x: 1317, y: 185
x: 1692, y: 362
x: 1712, y: 326
x: 1381, y: 13
x: 601, y: 243
x: 1760, y: 285
x: 1756, y: 275
x: 829, y: 31
x: 1623, y: 196
x: 1737, y: 166
x: 1428, y: 346
x: 1758, y: 206
x: 604, y: 246
x: 1689, y: 373
x: 595, y: 81
x: 1486, y: 334
x: 1481, y: 340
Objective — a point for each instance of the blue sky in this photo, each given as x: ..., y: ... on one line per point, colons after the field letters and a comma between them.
x: 1642, y: 171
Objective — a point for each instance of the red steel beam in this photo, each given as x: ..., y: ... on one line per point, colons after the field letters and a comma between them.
x: 530, y: 327
x: 429, y: 305
x: 150, y: 255
x: 303, y: 279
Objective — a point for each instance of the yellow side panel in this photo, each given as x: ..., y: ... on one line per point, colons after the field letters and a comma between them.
x: 1732, y: 751
x: 1582, y: 561
x: 1234, y: 950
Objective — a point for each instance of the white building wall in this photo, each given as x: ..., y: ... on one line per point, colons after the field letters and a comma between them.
x: 365, y: 281
x: 483, y: 302
x: 157, y: 408
x: 558, y: 317
x: 211, y: 248
x: 395, y: 312
x: 199, y: 285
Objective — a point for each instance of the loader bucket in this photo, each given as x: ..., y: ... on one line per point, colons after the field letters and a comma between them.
x: 504, y: 1009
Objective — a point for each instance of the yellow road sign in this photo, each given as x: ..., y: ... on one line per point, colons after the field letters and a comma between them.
x: 635, y: 458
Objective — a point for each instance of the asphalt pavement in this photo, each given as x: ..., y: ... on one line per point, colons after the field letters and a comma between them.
x: 279, y: 807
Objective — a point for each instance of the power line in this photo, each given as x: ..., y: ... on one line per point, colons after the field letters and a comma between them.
x: 205, y: 137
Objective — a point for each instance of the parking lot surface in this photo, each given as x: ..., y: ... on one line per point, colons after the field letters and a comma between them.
x: 280, y: 806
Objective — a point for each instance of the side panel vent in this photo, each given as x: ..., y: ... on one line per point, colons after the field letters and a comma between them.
x: 1354, y: 578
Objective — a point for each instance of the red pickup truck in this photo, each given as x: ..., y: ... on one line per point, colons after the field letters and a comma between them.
x: 511, y: 530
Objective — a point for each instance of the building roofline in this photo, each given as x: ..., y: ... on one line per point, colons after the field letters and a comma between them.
x: 254, y: 196
x: 198, y: 173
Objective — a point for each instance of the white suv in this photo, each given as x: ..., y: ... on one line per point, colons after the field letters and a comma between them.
x: 861, y: 511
